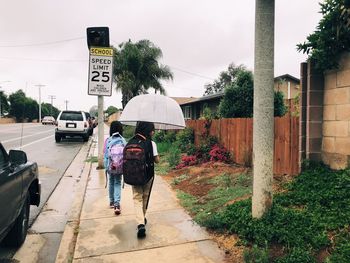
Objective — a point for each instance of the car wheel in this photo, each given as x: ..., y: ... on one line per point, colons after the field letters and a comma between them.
x: 18, y: 233
x: 57, y: 137
x: 86, y: 138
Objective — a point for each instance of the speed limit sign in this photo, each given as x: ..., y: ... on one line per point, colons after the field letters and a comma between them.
x: 100, y: 71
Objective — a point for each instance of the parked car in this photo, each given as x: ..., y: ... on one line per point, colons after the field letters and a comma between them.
x: 19, y: 188
x: 72, y: 123
x: 48, y: 120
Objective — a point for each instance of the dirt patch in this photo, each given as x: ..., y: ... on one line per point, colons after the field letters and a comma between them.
x: 197, y: 179
x: 228, y: 243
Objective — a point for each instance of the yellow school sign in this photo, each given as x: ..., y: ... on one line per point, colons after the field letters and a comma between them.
x: 100, y: 71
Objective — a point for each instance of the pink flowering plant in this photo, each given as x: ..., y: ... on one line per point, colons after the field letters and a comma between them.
x: 187, y: 161
x: 219, y: 153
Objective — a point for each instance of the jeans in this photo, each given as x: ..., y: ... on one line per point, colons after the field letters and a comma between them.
x: 114, y: 188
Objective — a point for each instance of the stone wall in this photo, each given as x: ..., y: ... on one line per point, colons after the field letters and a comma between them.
x: 336, y: 116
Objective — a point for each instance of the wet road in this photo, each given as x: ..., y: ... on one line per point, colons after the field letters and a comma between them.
x: 39, y: 144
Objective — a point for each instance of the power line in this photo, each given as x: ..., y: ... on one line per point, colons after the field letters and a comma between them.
x: 42, y: 44
x: 191, y: 73
x: 43, y: 60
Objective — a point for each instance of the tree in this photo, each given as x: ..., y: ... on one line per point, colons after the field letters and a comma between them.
x: 4, y: 107
x: 239, y: 95
x: 48, y: 110
x: 93, y: 111
x: 225, y: 79
x: 136, y: 69
x: 17, y: 105
x: 110, y: 110
x: 332, y: 36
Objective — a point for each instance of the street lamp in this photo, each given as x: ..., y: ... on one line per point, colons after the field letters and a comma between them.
x: 5, y: 81
x: 39, y: 86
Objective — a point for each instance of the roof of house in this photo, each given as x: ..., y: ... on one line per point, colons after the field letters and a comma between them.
x: 287, y: 76
x: 204, y: 98
x: 184, y: 100
x: 190, y: 100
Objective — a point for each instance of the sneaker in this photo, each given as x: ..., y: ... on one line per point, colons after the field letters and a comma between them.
x: 141, y: 231
x: 111, y: 204
x: 117, y: 209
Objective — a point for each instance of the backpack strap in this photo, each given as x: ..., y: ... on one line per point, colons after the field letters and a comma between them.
x: 140, y: 135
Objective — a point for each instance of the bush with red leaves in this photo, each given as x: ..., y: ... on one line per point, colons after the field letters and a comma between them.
x: 219, y: 153
x: 187, y: 161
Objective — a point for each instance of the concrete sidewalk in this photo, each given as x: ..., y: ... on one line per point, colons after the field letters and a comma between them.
x: 100, y: 236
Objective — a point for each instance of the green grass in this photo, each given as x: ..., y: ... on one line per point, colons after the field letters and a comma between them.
x: 317, y: 203
x: 179, y: 179
x: 226, y: 188
x: 92, y: 159
x: 163, y: 147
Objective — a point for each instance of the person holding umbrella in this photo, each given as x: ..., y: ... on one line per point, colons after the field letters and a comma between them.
x: 147, y: 112
x: 141, y: 193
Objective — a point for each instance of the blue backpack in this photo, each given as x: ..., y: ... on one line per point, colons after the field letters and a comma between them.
x: 115, y: 155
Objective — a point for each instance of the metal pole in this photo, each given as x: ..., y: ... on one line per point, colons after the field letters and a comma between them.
x: 100, y: 131
x: 66, y: 102
x: 263, y: 122
x: 52, y: 97
x: 39, y: 86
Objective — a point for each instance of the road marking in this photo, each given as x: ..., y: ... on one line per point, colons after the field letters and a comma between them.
x: 18, y: 138
x: 19, y: 148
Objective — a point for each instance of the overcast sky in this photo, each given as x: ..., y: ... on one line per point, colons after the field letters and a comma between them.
x: 44, y: 41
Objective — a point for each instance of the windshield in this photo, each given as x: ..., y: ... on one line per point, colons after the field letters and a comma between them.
x: 71, y: 116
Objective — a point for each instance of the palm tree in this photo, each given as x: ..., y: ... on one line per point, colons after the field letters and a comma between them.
x: 136, y: 69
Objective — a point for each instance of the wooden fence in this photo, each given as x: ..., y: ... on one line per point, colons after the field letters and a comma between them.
x: 237, y: 136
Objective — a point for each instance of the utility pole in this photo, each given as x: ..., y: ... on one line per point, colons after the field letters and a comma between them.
x: 51, y: 97
x: 263, y: 119
x: 66, y: 102
x: 39, y: 86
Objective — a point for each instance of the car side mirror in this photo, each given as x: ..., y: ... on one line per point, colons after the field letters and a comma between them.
x: 17, y: 157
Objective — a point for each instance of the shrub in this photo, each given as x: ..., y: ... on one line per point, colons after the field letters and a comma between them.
x: 204, y: 148
x: 219, y: 153
x: 159, y: 136
x: 187, y: 161
x: 174, y: 156
x: 170, y: 136
x: 163, y: 147
x: 185, y: 138
x: 280, y: 108
x: 256, y: 255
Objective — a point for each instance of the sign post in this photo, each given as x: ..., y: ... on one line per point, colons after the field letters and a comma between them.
x: 100, y: 84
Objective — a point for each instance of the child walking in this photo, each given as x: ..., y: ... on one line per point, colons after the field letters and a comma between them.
x: 141, y: 193
x: 113, y: 158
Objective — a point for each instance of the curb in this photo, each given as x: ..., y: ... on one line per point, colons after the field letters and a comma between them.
x: 66, y: 249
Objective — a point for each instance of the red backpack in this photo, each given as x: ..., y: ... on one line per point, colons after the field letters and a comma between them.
x: 138, y: 161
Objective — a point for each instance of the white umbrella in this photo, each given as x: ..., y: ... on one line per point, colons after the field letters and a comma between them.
x: 163, y: 111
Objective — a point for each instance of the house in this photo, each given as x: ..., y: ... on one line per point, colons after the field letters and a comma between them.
x: 192, y: 108
x: 288, y: 85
